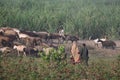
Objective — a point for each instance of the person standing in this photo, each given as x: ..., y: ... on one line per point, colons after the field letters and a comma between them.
x: 84, y: 54
x: 75, y: 52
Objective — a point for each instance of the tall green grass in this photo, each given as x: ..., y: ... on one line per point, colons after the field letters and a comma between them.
x: 83, y: 17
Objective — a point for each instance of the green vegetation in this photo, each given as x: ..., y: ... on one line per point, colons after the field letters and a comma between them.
x: 81, y: 17
x: 56, y: 68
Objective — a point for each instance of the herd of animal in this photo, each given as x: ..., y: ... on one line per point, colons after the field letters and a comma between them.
x: 32, y: 42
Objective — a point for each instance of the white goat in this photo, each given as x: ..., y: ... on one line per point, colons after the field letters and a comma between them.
x: 61, y: 32
x: 21, y: 35
x: 4, y: 49
x: 96, y: 41
x: 20, y: 48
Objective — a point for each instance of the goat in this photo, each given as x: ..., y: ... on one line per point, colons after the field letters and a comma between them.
x: 42, y: 35
x: 61, y: 32
x: 9, y: 32
x: 56, y: 36
x: 31, y: 41
x: 71, y: 38
x: 107, y: 44
x: 21, y: 35
x: 5, y: 49
x: 31, y: 51
x: 6, y: 41
x: 97, y: 42
x: 30, y: 33
x: 20, y: 48
x: 39, y: 48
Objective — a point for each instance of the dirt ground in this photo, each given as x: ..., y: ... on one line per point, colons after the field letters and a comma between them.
x: 97, y: 52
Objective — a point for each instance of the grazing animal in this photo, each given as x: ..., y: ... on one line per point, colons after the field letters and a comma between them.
x: 108, y: 44
x: 5, y: 49
x: 39, y: 48
x: 61, y: 32
x: 9, y: 32
x: 31, y: 41
x: 71, y: 38
x: 6, y: 41
x: 42, y: 35
x: 30, y: 33
x: 22, y: 35
x: 97, y: 42
x: 57, y: 36
x: 20, y: 48
x: 31, y: 51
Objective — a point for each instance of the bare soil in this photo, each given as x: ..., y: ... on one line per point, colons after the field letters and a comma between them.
x: 98, y: 52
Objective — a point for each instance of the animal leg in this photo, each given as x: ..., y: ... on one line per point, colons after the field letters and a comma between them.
x: 24, y: 54
x: 18, y: 53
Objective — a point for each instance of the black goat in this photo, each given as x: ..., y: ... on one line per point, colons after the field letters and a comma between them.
x: 31, y: 51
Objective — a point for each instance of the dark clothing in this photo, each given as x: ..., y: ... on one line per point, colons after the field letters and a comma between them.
x: 84, y: 55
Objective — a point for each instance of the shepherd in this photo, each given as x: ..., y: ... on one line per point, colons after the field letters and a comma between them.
x: 84, y: 54
x: 75, y: 52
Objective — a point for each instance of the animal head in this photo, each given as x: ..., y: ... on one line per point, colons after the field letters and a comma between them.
x: 16, y: 30
x: 99, y: 40
x: 14, y: 47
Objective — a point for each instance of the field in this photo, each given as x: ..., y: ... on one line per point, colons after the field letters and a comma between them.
x: 82, y: 18
x: 104, y: 64
x: 78, y: 17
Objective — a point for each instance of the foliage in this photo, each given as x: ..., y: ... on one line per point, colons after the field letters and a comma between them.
x: 54, y: 55
x: 83, y: 17
x: 12, y: 68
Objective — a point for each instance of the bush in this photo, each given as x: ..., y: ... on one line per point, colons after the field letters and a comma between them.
x: 54, y: 55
